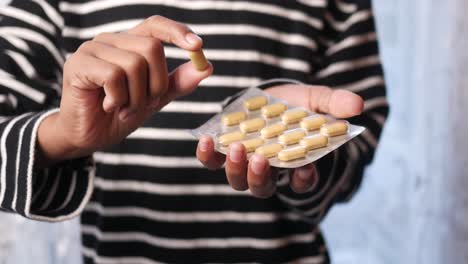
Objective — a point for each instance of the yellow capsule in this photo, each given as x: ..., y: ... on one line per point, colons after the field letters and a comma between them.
x: 293, y: 116
x: 228, y: 138
x: 252, y: 144
x: 292, y: 153
x: 273, y: 110
x: 313, y: 122
x: 270, y: 150
x: 273, y: 130
x: 314, y: 142
x: 252, y: 125
x: 255, y: 103
x: 234, y: 118
x: 334, y: 129
x: 292, y: 137
x: 198, y: 60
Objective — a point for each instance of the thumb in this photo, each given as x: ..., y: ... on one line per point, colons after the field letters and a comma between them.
x: 185, y: 78
x: 182, y: 81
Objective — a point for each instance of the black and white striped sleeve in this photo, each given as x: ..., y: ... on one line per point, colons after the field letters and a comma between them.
x: 351, y: 61
x: 30, y: 74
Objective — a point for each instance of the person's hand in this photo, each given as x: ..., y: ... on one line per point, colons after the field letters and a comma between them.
x: 256, y: 174
x: 113, y: 83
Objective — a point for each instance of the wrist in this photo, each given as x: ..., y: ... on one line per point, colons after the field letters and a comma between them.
x: 52, y: 144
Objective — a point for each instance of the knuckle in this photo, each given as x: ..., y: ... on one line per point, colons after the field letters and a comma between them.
x: 103, y: 35
x: 151, y: 46
x: 115, y: 75
x: 71, y: 63
x: 87, y: 45
x: 136, y: 64
x: 155, y: 19
x: 184, y: 28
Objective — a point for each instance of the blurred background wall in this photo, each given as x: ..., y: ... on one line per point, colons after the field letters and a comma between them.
x: 412, y: 207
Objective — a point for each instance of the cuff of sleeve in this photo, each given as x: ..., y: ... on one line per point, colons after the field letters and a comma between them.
x: 55, y: 194
x: 324, y: 169
x: 308, y: 204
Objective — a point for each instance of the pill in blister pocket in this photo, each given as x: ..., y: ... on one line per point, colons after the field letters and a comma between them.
x: 314, y: 142
x: 234, y: 118
x: 273, y: 130
x: 292, y: 137
x: 313, y: 122
x: 252, y: 125
x: 270, y: 150
x: 334, y: 129
x: 228, y: 138
x: 293, y: 116
x: 255, y: 103
x: 273, y: 110
x: 292, y: 153
x: 198, y: 60
x: 252, y: 144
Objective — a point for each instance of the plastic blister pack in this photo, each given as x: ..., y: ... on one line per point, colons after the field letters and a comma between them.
x: 288, y: 136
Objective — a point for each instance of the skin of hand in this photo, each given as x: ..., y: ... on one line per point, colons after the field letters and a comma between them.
x: 112, y: 84
x: 256, y: 174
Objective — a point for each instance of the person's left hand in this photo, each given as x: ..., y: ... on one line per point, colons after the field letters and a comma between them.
x: 256, y: 174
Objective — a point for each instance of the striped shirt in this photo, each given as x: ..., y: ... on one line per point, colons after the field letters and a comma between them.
x: 148, y: 200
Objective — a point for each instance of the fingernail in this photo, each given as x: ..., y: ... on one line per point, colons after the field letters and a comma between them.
x: 258, y: 164
x: 154, y: 103
x: 204, y: 145
x: 235, y: 153
x: 126, y: 113
x: 108, y: 104
x: 192, y: 38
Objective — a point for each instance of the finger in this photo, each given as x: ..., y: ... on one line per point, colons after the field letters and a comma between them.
x: 182, y: 81
x: 151, y: 49
x: 259, y: 177
x: 207, y: 155
x: 168, y: 31
x: 90, y: 72
x: 339, y: 103
x: 236, y: 167
x: 135, y: 68
x: 304, y: 178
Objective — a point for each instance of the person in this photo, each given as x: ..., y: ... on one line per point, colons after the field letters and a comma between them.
x: 96, y: 101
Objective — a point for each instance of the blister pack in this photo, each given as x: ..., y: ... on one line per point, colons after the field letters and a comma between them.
x: 288, y: 136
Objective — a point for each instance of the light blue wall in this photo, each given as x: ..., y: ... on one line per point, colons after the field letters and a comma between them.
x: 411, y: 208
x: 413, y: 204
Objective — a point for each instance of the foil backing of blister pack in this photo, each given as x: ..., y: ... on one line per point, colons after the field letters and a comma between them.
x: 215, y: 128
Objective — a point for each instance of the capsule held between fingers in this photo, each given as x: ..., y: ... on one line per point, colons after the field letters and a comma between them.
x: 229, y: 138
x: 252, y: 144
x: 234, y: 118
x: 293, y: 116
x: 198, y: 60
x: 334, y: 129
x: 313, y: 122
x: 292, y: 137
x: 314, y: 142
x: 273, y: 130
x: 270, y: 150
x: 292, y: 153
x: 252, y: 125
x: 255, y: 103
x: 273, y: 110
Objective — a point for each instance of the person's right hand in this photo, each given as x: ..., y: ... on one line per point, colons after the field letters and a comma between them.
x: 114, y: 82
